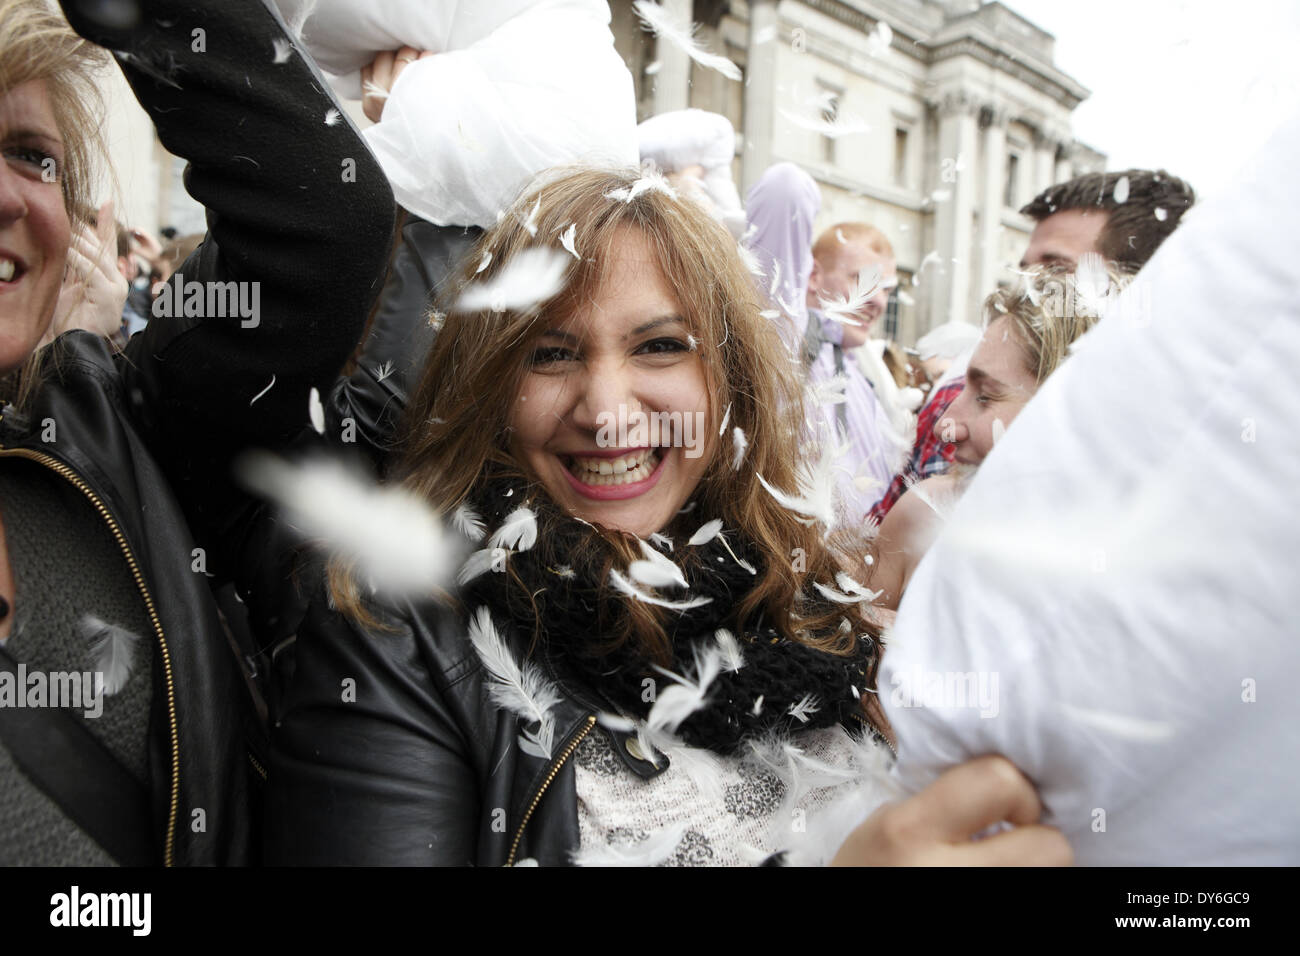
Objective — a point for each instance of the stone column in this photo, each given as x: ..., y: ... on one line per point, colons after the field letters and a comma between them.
x: 1045, y: 160
x: 950, y: 280
x: 672, y: 82
x: 993, y: 117
x: 760, y: 92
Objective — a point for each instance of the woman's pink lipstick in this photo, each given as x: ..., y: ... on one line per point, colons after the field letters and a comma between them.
x: 617, y: 492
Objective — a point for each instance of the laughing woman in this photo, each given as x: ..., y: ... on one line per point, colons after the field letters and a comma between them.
x: 115, y: 493
x: 535, y: 715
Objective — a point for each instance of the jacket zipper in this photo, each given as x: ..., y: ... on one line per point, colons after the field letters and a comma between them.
x: 256, y: 765
x: 74, y: 479
x: 875, y: 730
x: 537, y: 798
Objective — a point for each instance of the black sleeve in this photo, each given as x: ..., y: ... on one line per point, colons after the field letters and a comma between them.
x: 369, y: 766
x: 366, y: 407
x: 300, y: 219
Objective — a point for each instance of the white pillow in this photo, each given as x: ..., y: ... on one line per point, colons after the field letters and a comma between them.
x: 1122, y: 574
x: 519, y: 86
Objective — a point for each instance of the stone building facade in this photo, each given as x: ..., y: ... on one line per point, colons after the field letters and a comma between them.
x: 952, y: 117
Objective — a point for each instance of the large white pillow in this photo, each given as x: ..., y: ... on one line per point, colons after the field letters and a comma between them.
x: 1123, y: 575
x: 519, y: 86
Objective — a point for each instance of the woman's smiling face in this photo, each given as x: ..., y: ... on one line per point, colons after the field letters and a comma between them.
x: 34, y: 228
x: 595, y: 378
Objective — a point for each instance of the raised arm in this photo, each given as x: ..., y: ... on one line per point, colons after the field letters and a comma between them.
x: 300, y: 219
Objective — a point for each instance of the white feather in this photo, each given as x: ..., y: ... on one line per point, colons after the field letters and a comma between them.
x: 842, y: 309
x: 816, y: 497
x: 522, y: 690
x: 487, y: 260
x: 732, y: 657
x: 530, y: 223
x: 1121, y: 725
x: 532, y: 277
x: 1092, y: 283
x: 662, y: 540
x: 649, y: 179
x: 726, y: 417
x: 616, y: 722
x: 568, y: 239
x: 112, y: 652
x: 393, y: 536
x: 467, y: 521
x: 630, y: 589
x: 477, y: 563
x: 263, y: 391
x: 845, y: 124
x: 649, y: 852
x: 518, y: 531
x: 1121, y: 190
x: 317, y: 412
x: 283, y: 50
x: 738, y: 443
x: 656, y: 571
x: 707, y: 532
x: 383, y: 371
x: 833, y: 595
x: 804, y: 709
x: 679, y: 33
x: 750, y: 260
x: 373, y: 90
x: 332, y: 117
x: 831, y: 391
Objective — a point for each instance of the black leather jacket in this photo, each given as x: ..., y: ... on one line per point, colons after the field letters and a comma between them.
x: 391, y: 752
x: 148, y: 436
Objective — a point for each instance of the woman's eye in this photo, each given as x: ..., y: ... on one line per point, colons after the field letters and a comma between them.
x: 38, y: 159
x: 550, y: 356
x: 664, y: 347
x: 983, y: 399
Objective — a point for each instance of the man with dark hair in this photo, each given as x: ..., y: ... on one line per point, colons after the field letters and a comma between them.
x: 1124, y: 216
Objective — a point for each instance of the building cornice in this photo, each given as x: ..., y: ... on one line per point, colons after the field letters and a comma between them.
x: 975, y: 40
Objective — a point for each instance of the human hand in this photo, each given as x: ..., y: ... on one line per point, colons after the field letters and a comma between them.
x: 378, y: 79
x: 93, y: 290
x: 935, y: 826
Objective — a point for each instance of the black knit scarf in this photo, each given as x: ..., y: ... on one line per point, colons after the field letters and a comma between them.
x: 784, y: 686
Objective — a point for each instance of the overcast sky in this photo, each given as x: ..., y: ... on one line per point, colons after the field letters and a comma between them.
x: 1190, y: 85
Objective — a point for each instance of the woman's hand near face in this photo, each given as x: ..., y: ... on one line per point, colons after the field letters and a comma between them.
x: 94, y: 289
x: 378, y: 79
x: 935, y: 827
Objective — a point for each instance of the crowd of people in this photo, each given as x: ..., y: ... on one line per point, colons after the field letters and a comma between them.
x: 673, y: 650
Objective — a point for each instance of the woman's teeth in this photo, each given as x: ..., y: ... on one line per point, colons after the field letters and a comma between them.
x: 615, y: 471
x: 7, y: 270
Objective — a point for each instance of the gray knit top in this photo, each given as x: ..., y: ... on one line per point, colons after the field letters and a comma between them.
x: 72, y: 585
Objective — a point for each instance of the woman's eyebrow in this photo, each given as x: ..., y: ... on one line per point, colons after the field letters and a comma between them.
x: 639, y: 330
x: 978, y: 376
x: 655, y: 323
x: 27, y: 134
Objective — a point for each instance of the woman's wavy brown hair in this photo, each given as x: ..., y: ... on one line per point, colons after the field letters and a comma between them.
x: 457, y: 422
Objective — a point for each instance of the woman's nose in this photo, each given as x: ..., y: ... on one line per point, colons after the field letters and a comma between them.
x: 606, y: 396
x: 950, y: 428
x: 12, y: 204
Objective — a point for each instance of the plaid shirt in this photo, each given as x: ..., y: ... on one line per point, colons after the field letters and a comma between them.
x: 930, y: 455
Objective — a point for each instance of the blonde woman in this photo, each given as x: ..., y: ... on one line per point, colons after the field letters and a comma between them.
x: 115, y: 489
x: 1027, y: 334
